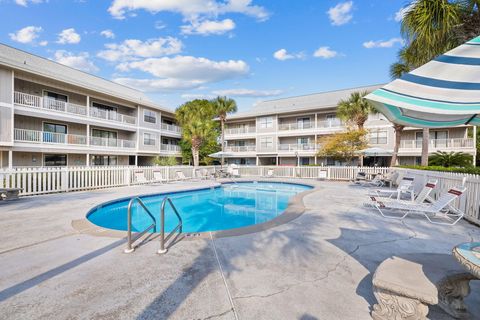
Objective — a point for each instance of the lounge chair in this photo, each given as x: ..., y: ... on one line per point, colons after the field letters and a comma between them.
x: 390, y: 177
x: 439, y: 207
x: 9, y: 193
x: 140, y: 176
x: 360, y: 176
x: 420, y: 198
x: 181, y: 176
x: 377, y: 181
x: 205, y: 175
x: 404, y: 187
x: 270, y: 173
x: 158, y: 176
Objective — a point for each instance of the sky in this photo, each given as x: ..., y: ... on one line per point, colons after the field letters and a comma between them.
x: 179, y: 50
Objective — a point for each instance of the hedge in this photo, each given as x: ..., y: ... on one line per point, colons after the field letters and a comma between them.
x: 470, y: 170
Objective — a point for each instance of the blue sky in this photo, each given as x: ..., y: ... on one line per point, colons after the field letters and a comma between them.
x: 179, y: 50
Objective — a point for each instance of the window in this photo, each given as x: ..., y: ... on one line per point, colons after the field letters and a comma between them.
x: 378, y: 137
x: 54, y: 133
x: 55, y: 160
x: 304, y: 161
x: 266, y: 142
x: 303, y: 140
x: 303, y: 123
x: 149, y: 116
x: 55, y: 96
x: 266, y: 122
x: 104, y: 160
x: 104, y: 138
x: 100, y: 110
x: 148, y: 139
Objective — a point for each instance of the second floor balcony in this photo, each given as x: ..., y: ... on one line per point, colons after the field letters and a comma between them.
x: 171, y: 128
x: 439, y: 144
x: 49, y: 104
x: 173, y: 148
x: 240, y: 130
x: 44, y: 137
x: 288, y: 126
x: 251, y: 148
x: 297, y: 147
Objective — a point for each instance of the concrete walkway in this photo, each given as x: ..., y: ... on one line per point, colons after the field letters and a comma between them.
x: 318, y: 266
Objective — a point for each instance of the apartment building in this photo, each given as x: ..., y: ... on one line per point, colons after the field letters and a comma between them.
x: 287, y: 132
x: 53, y: 115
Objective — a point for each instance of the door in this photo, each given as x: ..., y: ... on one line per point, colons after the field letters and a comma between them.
x: 303, y: 123
x: 104, y: 138
x: 54, y: 133
x: 440, y: 139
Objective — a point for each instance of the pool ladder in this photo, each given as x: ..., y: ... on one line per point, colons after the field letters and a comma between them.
x: 131, y: 239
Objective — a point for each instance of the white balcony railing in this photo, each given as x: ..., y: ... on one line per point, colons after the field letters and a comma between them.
x: 171, y: 128
x: 37, y: 102
x: 240, y: 148
x: 29, y: 100
x: 170, y: 148
x: 112, y: 115
x: 333, y: 123
x: 25, y: 135
x: 240, y: 130
x: 296, y: 126
x: 439, y: 144
x: 297, y: 147
x: 112, y: 143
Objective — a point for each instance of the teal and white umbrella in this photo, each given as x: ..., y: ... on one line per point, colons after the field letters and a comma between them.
x: 444, y: 92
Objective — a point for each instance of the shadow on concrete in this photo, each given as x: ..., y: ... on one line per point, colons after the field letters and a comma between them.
x: 294, y: 246
x: 32, y: 282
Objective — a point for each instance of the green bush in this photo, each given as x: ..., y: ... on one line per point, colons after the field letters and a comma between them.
x: 165, y: 161
x: 450, y: 159
x: 468, y: 170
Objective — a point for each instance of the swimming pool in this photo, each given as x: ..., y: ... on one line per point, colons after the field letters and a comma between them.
x: 228, y: 206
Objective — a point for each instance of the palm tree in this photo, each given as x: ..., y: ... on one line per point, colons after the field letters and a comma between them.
x: 398, y: 134
x: 195, y: 117
x: 451, y: 159
x: 223, y: 106
x: 355, y: 109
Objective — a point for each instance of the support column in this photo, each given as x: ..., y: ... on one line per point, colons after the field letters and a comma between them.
x: 257, y: 161
x: 316, y: 160
x: 136, y: 160
x: 88, y: 134
x: 10, y: 159
x: 88, y: 160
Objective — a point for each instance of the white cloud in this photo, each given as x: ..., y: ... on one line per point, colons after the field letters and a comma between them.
x: 43, y: 43
x: 181, y: 72
x: 108, y: 34
x: 26, y: 35
x: 325, y: 53
x: 383, y: 44
x: 248, y: 93
x: 283, y: 55
x: 68, y: 36
x: 402, y: 11
x: 159, y: 25
x: 80, y: 61
x: 190, y: 9
x: 207, y: 27
x: 24, y: 3
x: 132, y: 49
x: 191, y: 96
x: 341, y: 13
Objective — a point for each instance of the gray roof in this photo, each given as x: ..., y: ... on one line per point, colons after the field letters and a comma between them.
x: 316, y: 101
x: 27, y: 62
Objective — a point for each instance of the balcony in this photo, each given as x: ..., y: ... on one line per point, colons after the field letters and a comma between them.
x: 240, y: 130
x: 25, y: 135
x: 171, y: 128
x: 439, y: 144
x: 37, y: 102
x: 297, y: 147
x: 34, y: 136
x: 288, y: 126
x: 240, y: 148
x: 333, y: 123
x: 173, y: 148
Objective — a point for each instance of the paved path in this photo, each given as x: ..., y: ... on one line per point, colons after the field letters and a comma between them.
x: 318, y: 266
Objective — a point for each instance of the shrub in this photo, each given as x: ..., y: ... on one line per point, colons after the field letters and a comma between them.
x: 468, y: 170
x: 165, y: 161
x: 450, y: 159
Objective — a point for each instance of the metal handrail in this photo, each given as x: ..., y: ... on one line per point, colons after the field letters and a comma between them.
x: 130, y: 239
x: 163, y: 240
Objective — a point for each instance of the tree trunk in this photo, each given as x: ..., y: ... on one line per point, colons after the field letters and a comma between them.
x: 398, y: 134
x: 196, y: 156
x: 222, y: 122
x: 425, y: 143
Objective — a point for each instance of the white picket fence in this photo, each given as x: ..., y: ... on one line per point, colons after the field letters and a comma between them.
x: 35, y: 181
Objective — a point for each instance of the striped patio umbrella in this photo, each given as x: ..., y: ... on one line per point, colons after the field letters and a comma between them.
x: 445, y: 92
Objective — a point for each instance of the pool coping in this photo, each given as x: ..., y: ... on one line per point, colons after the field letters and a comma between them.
x: 294, y: 210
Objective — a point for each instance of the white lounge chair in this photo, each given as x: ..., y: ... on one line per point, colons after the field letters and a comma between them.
x: 377, y: 181
x: 404, y: 187
x: 420, y: 198
x: 181, y: 176
x: 440, y: 207
x: 158, y: 176
x: 270, y: 173
x: 140, y: 176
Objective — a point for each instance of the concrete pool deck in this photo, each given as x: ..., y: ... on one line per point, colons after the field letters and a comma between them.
x: 318, y: 266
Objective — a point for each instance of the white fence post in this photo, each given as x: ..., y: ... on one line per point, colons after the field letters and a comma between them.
x: 64, y: 172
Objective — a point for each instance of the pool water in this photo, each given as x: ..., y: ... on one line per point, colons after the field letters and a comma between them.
x: 226, y: 207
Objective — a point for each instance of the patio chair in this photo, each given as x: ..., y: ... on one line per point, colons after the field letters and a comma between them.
x: 270, y: 173
x: 360, y: 176
x: 9, y: 193
x: 140, y: 176
x: 181, y: 176
x: 390, y: 177
x: 440, y: 207
x: 420, y: 198
x: 158, y: 176
x: 404, y: 187
x: 377, y: 181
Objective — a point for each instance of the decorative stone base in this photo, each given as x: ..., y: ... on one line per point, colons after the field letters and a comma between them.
x: 392, y: 306
x: 451, y: 292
